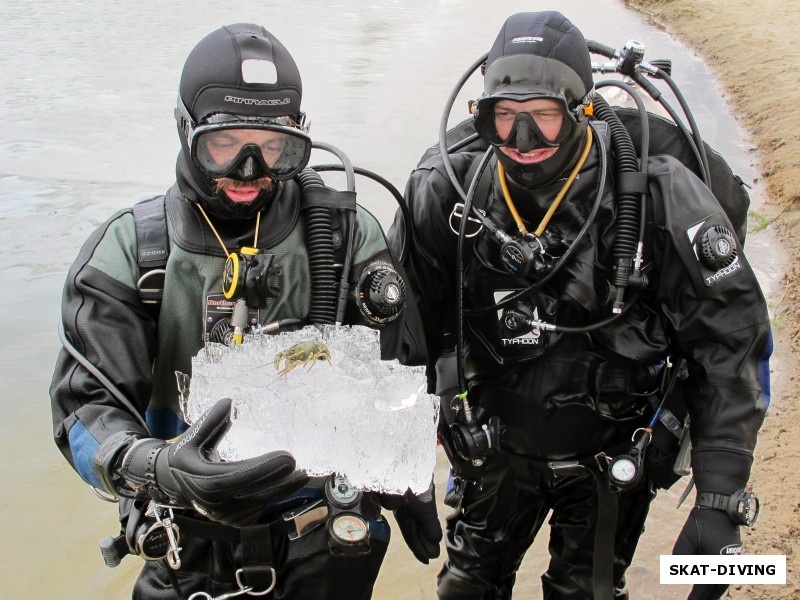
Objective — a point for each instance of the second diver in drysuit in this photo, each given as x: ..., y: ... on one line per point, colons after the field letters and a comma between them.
x: 561, y: 370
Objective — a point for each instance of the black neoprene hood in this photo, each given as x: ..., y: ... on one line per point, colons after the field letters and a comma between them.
x: 539, y: 55
x: 240, y: 69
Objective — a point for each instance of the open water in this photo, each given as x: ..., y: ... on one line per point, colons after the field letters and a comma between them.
x: 86, y: 128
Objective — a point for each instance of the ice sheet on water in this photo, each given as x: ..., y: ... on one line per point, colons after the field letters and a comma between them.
x: 368, y: 419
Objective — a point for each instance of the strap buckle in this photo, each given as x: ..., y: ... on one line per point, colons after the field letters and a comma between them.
x: 565, y: 467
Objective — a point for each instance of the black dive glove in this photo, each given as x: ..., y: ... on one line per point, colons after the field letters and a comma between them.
x: 418, y: 521
x: 189, y: 473
x: 710, y: 530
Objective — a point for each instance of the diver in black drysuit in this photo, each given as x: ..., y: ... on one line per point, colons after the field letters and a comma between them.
x: 243, y: 145
x: 562, y: 398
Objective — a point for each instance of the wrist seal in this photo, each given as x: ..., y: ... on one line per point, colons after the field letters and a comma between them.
x: 107, y: 460
x: 742, y: 506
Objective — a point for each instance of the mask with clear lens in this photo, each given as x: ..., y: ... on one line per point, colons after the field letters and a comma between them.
x: 525, y: 133
x: 270, y: 150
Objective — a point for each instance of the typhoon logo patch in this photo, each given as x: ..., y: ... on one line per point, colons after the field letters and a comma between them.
x: 716, y: 250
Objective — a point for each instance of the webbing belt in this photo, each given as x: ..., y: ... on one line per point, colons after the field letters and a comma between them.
x: 605, y: 527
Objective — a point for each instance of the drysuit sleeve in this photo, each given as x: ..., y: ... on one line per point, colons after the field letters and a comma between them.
x: 105, y: 321
x: 717, y: 317
x: 428, y: 247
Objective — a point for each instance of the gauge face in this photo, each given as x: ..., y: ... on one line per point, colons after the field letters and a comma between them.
x: 623, y: 469
x: 341, y: 493
x: 349, y: 527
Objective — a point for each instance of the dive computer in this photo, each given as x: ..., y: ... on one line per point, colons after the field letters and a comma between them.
x: 742, y: 506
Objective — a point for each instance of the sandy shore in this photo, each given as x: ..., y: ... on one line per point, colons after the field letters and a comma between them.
x: 748, y: 45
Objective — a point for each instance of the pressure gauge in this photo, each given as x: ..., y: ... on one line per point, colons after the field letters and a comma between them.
x: 623, y: 470
x: 340, y: 493
x: 349, y: 534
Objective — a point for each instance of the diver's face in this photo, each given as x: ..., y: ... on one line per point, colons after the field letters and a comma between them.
x: 548, y: 117
x: 223, y: 147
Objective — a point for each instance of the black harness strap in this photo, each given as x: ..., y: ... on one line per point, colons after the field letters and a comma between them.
x: 257, y: 569
x: 605, y: 527
x: 152, y: 241
x: 604, y: 535
x: 483, y: 188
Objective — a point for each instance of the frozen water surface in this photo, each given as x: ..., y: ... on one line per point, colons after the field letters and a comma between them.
x: 359, y: 416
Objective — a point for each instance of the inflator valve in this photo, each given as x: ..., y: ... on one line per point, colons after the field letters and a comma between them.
x: 717, y: 247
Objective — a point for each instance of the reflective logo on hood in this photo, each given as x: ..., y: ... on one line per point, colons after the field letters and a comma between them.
x: 257, y: 102
x: 259, y: 71
x: 527, y: 39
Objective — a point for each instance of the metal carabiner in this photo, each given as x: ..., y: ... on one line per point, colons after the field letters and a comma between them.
x: 173, y: 535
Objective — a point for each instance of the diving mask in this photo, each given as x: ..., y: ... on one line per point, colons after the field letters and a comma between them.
x: 246, y: 148
x: 525, y: 133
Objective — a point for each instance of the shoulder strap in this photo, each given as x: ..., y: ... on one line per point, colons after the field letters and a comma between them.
x: 484, y: 187
x: 152, y: 242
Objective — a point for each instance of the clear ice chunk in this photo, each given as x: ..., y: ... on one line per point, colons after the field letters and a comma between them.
x: 357, y: 415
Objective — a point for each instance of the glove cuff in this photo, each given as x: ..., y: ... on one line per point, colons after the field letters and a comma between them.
x: 138, y: 467
x: 721, y: 471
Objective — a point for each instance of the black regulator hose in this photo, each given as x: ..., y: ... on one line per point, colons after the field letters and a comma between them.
x: 101, y: 377
x: 448, y: 107
x: 321, y: 258
x: 408, y: 233
x: 644, y: 139
x: 462, y: 231
x: 696, y: 138
x: 626, y: 238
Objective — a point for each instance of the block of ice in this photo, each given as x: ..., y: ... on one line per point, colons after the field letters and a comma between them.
x: 355, y: 415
